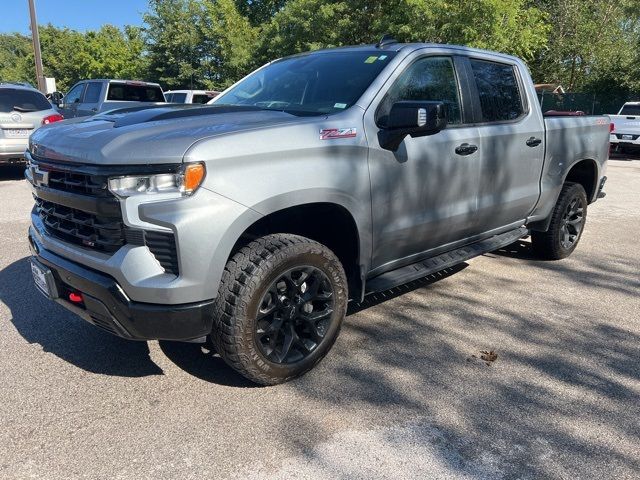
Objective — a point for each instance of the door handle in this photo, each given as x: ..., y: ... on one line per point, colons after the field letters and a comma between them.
x: 94, y: 109
x: 466, y: 149
x: 533, y: 142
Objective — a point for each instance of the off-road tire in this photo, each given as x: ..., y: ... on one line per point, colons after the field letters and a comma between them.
x: 548, y: 245
x: 246, y: 278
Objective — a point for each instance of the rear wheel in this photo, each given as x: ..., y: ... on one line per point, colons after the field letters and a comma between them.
x: 280, y: 306
x: 567, y: 224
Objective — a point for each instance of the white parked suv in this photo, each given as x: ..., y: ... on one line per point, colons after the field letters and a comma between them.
x: 22, y: 110
x: 190, y: 96
x: 625, y: 129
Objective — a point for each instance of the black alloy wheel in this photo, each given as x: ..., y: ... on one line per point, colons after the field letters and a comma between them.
x: 572, y: 222
x: 294, y: 315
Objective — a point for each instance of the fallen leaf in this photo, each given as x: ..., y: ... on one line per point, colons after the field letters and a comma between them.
x: 488, y: 356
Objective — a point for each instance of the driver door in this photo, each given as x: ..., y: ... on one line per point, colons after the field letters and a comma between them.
x: 69, y: 107
x: 425, y: 194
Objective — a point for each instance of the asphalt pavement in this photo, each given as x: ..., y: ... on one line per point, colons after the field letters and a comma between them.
x: 403, y: 394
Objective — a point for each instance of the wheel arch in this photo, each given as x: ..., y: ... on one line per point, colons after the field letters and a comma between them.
x: 585, y: 172
x: 329, y: 223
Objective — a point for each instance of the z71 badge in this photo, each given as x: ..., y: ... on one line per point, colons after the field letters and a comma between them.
x: 332, y: 133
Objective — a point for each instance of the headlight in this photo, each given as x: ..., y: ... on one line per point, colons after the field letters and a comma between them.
x: 184, y: 182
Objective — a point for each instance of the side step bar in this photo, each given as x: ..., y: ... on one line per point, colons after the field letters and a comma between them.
x: 431, y: 265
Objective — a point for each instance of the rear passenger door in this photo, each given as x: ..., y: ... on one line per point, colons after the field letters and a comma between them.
x: 511, y: 143
x: 91, y: 100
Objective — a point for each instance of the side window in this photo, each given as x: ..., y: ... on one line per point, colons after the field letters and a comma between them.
x: 74, y: 94
x: 430, y: 78
x: 498, y: 90
x: 92, y: 95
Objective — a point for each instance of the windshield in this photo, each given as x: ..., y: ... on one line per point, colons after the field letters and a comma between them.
x: 630, y: 110
x: 22, y: 100
x: 316, y: 84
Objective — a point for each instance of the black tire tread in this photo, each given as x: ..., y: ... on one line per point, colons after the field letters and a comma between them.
x: 546, y: 245
x: 242, y: 274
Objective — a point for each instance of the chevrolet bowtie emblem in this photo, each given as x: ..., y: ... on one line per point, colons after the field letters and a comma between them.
x: 40, y: 177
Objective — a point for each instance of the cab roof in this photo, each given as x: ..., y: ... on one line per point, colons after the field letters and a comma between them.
x: 410, y: 47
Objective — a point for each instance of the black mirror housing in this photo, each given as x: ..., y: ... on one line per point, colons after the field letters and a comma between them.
x: 415, y: 118
x: 56, y: 98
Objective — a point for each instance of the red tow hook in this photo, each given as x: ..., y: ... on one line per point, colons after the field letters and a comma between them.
x: 75, y: 297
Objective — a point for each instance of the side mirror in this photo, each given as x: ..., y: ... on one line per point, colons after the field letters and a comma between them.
x: 56, y: 98
x: 413, y: 118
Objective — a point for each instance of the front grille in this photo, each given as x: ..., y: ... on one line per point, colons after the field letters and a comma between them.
x: 101, y: 229
x: 75, y: 226
x: 94, y: 185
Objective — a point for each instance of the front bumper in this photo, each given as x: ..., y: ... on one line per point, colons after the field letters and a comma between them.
x: 12, y: 151
x: 107, y: 306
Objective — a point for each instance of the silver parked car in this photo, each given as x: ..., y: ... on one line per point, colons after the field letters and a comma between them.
x: 22, y: 110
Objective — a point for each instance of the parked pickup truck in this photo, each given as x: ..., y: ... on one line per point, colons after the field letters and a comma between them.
x: 89, y: 97
x: 318, y: 179
x: 191, y: 96
x: 625, y: 130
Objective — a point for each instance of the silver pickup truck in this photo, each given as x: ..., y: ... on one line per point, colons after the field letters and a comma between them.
x: 316, y: 180
x: 89, y: 97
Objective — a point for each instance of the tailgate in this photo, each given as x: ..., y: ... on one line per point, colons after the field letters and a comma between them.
x: 626, y: 124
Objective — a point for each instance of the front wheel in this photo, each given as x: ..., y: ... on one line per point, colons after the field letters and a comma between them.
x: 567, y: 224
x: 279, y: 309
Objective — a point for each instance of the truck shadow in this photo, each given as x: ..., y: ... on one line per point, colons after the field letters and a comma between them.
x: 564, y: 372
x: 11, y: 172
x: 58, y: 331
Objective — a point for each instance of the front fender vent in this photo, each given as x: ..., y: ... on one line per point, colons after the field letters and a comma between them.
x: 161, y: 244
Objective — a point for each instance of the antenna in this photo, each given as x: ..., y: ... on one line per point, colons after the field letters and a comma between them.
x: 387, y: 39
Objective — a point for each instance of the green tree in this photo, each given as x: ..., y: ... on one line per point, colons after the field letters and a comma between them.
x: 591, y: 44
x: 259, y: 11
x: 15, y: 51
x: 230, y: 44
x: 174, y: 41
x: 510, y: 26
x: 192, y: 44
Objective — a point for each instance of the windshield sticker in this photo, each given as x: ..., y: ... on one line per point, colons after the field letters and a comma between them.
x: 371, y: 59
x: 382, y: 57
x: 333, y: 133
x: 340, y: 105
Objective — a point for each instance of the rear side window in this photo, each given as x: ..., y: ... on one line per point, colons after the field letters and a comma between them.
x: 427, y: 79
x: 178, y: 98
x: 22, y: 100
x: 498, y: 90
x: 199, y: 98
x: 630, y: 110
x: 125, y: 92
x: 92, y: 94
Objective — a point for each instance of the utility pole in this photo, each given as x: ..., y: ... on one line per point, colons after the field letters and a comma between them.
x: 35, y: 37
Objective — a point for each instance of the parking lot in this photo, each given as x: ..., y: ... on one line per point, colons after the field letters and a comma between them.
x: 403, y: 394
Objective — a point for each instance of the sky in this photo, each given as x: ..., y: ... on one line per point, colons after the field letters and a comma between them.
x: 76, y: 14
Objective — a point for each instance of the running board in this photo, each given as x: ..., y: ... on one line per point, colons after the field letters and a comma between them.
x: 449, y: 259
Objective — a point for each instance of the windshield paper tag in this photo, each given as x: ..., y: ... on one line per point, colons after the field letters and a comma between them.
x: 332, y: 133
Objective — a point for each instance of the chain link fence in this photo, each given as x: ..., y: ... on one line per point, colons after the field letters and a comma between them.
x: 589, y: 103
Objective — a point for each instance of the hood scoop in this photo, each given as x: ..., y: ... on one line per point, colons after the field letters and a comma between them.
x: 137, y: 115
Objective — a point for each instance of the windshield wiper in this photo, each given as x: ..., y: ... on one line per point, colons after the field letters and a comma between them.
x: 22, y: 109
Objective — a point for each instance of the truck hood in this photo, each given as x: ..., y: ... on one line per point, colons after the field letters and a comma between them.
x: 146, y: 135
